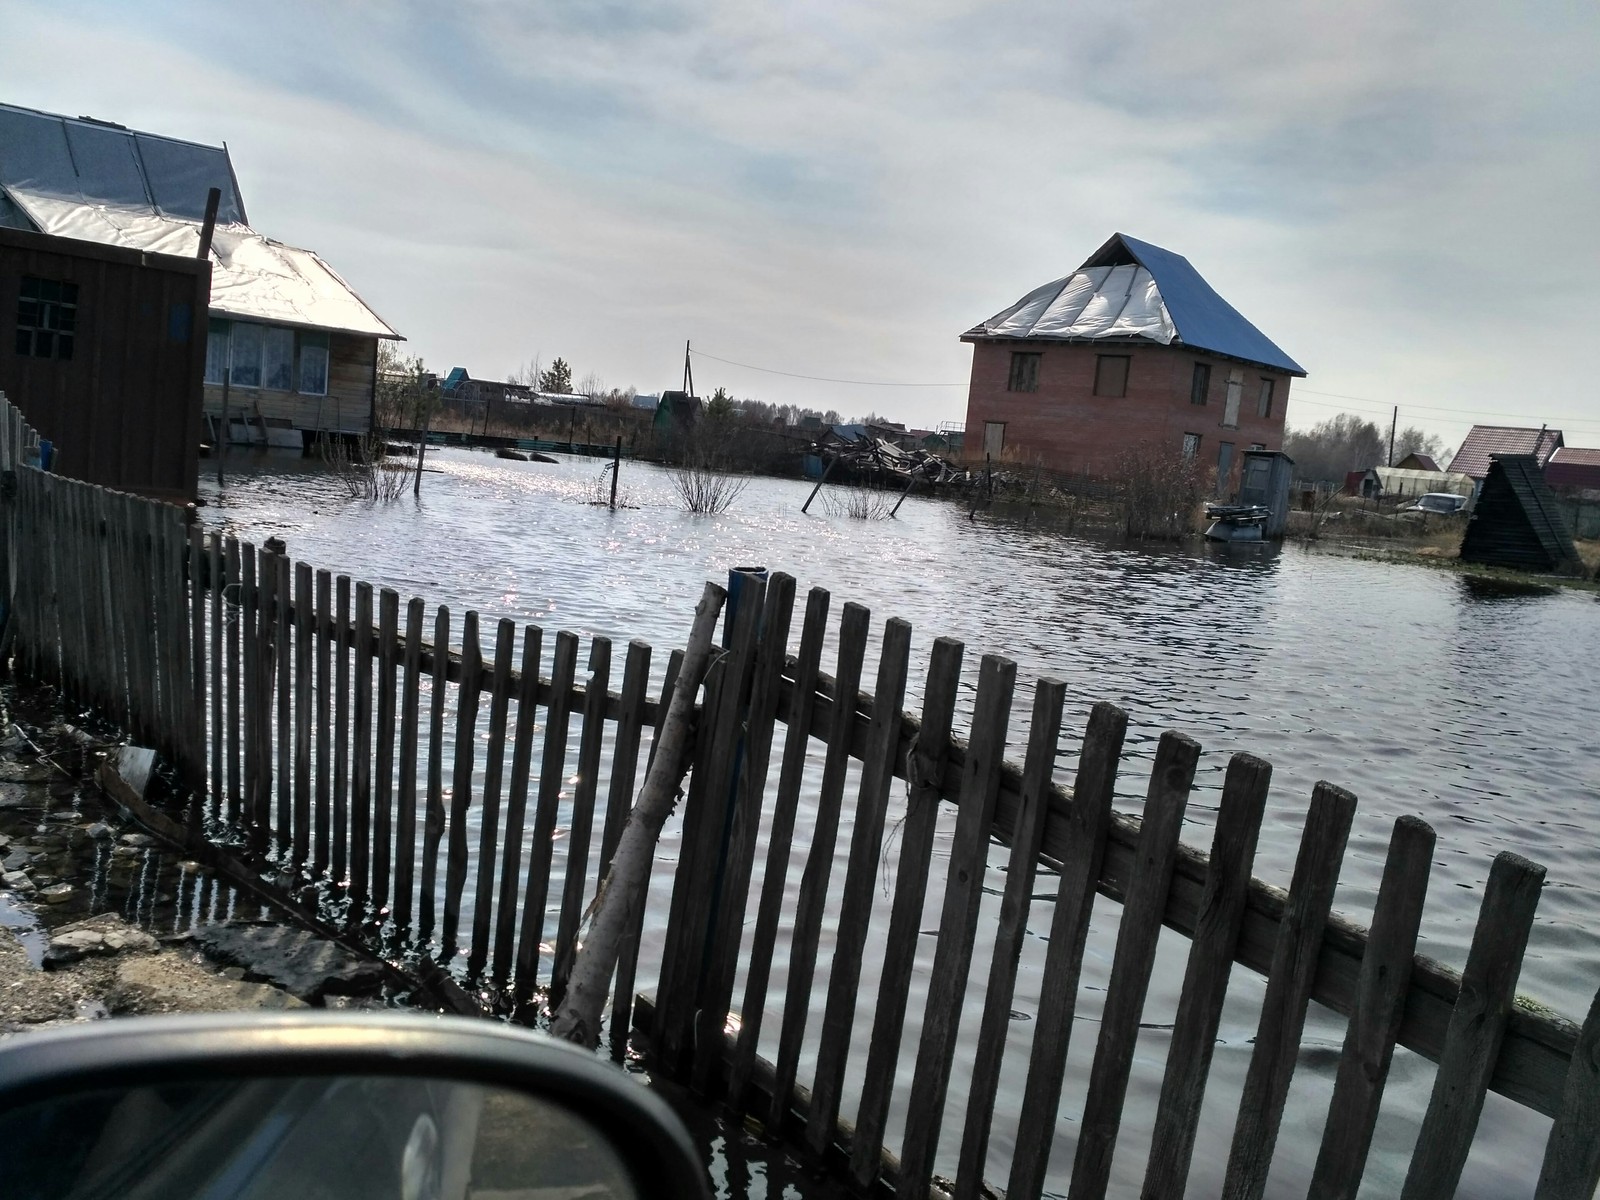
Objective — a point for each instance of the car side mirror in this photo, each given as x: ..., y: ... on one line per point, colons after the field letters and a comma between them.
x: 320, y: 1106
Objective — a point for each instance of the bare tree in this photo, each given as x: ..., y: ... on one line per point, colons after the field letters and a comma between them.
x: 1331, y: 449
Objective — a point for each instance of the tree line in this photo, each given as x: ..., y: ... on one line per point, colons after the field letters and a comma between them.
x: 1331, y: 449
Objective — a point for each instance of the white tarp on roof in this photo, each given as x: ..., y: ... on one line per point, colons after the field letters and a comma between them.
x: 1096, y: 302
x: 251, y: 276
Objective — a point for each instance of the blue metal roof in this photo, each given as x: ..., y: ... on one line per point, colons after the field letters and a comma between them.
x: 1204, y: 319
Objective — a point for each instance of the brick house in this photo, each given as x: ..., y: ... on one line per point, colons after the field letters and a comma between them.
x: 1132, y: 350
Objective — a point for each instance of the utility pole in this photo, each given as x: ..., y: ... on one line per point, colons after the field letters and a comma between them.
x: 1393, y: 425
x: 688, y: 370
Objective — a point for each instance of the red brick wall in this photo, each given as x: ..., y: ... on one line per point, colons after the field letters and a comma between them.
x: 1065, y: 426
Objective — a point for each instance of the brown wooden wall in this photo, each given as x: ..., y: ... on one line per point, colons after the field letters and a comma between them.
x: 124, y: 411
x: 347, y: 408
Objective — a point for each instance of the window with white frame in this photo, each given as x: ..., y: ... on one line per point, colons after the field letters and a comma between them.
x: 313, y: 379
x: 267, y: 356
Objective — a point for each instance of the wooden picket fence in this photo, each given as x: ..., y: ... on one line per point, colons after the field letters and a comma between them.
x: 449, y: 804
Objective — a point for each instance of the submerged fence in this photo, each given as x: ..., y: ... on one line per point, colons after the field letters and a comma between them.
x: 462, y: 806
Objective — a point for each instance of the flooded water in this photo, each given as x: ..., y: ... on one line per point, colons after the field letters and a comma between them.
x: 1419, y: 690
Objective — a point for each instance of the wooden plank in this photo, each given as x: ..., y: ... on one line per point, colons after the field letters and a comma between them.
x: 285, y: 713
x: 552, y: 772
x: 958, y: 923
x: 928, y: 760
x: 1380, y: 1005
x: 625, y: 749
x: 383, y: 759
x: 1044, y: 739
x: 434, y: 821
x: 505, y: 931
x: 1571, y: 1169
x: 699, y: 875
x: 234, y: 720
x: 1283, y: 1008
x: 111, y: 615
x: 466, y: 748
x: 304, y: 618
x: 341, y: 729
x: 749, y: 788
x: 250, y: 659
x: 505, y: 645
x: 199, y: 764
x: 1205, y: 980
x: 1477, y: 1026
x: 628, y: 963
x: 1170, y: 781
x: 405, y: 853
x: 854, y: 627
x: 1081, y: 859
x: 361, y: 756
x: 219, y: 738
x: 325, y: 635
x: 575, y: 878
x: 266, y: 678
x: 861, y: 877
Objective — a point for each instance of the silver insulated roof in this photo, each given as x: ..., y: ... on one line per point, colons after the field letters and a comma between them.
x: 99, y: 182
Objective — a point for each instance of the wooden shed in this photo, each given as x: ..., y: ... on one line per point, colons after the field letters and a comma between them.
x: 103, y: 348
x: 1518, y: 522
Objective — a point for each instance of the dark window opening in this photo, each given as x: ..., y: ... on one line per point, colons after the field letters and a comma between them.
x: 1111, y: 375
x: 1024, y: 372
x: 1200, y: 384
x: 47, y: 318
x: 1264, y: 403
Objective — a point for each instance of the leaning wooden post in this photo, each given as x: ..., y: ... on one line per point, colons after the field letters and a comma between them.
x: 616, y: 469
x: 826, y: 471
x: 616, y: 905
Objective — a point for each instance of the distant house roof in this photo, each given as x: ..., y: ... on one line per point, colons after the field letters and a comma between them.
x: 1573, y: 467
x: 99, y: 182
x: 1487, y: 440
x: 1517, y: 521
x: 1129, y: 289
x: 1417, y: 462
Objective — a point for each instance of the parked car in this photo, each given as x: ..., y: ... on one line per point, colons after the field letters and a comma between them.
x: 1437, y: 502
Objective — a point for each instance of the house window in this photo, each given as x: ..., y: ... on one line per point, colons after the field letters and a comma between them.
x: 1258, y: 446
x: 47, y: 318
x: 277, y: 358
x: 1024, y: 375
x: 1191, y: 445
x: 994, y: 438
x: 1230, y: 406
x: 1264, y: 402
x: 1111, y: 375
x: 245, y: 354
x: 314, y: 364
x: 216, y: 349
x: 1200, y: 384
x: 267, y: 356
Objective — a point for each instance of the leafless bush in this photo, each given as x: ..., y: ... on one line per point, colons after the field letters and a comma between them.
x: 361, y: 469
x: 859, y: 501
x: 1157, y: 493
x: 703, y: 486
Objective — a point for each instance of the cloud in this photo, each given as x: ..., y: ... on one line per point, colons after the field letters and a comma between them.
x: 1397, y: 193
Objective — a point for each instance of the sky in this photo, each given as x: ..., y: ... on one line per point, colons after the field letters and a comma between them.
x: 1400, y: 194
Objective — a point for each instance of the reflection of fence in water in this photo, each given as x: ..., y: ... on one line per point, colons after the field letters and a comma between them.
x: 455, y: 803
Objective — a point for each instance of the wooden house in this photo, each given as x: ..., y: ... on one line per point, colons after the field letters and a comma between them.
x: 291, y: 350
x: 102, y: 348
x: 1132, y: 351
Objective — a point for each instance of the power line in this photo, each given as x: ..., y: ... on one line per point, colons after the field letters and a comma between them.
x: 822, y: 378
x: 1378, y: 406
